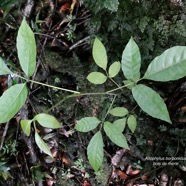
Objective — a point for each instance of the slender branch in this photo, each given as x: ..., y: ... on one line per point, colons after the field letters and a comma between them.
x: 51, y: 86
x: 54, y: 87
x: 102, y: 122
x: 79, y: 42
x: 109, y: 109
x: 111, y: 79
x: 77, y: 95
x: 4, y: 135
x: 115, y: 82
x: 119, y: 88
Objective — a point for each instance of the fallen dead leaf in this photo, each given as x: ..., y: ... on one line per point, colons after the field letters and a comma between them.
x: 66, y: 160
x: 65, y: 7
x: 122, y: 175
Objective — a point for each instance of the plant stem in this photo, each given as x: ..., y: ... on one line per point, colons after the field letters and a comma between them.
x: 111, y: 79
x: 109, y: 108
x: 77, y: 95
x: 51, y: 86
x: 102, y: 122
x: 119, y: 88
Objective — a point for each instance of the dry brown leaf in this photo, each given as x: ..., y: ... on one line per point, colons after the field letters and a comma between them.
x: 122, y: 175
x: 65, y: 7
x: 65, y: 159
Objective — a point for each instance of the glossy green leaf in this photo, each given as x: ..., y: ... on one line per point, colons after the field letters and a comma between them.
x: 132, y: 123
x: 170, y: 65
x: 95, y: 151
x: 87, y: 124
x: 99, y: 54
x: 3, y: 68
x: 119, y: 111
x: 120, y: 124
x: 131, y: 61
x: 47, y: 120
x: 115, y: 135
x: 97, y: 78
x: 26, y: 126
x: 26, y: 48
x: 11, y: 101
x: 42, y: 145
x: 150, y: 102
x: 114, y: 69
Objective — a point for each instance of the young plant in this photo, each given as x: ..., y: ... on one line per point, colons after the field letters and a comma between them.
x: 170, y: 65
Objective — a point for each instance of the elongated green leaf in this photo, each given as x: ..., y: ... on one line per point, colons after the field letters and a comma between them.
x: 26, y: 48
x: 47, y: 120
x: 97, y: 78
x: 120, y: 124
x: 131, y: 61
x: 115, y: 135
x: 3, y: 68
x: 119, y: 111
x: 114, y: 69
x: 132, y: 123
x: 87, y: 124
x: 11, y: 101
x: 95, y: 151
x: 170, y: 65
x: 99, y: 54
x: 150, y: 102
x: 26, y: 126
x: 42, y: 145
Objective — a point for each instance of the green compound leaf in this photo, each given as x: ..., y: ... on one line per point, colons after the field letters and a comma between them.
x: 87, y: 124
x: 114, y: 69
x: 26, y: 48
x: 42, y: 145
x: 120, y: 124
x: 47, y: 120
x: 97, y: 78
x: 26, y: 126
x: 132, y: 123
x: 150, y: 102
x: 3, y: 68
x: 95, y: 151
x: 99, y: 54
x: 119, y: 111
x: 11, y: 101
x: 131, y: 61
x: 170, y: 65
x: 115, y: 135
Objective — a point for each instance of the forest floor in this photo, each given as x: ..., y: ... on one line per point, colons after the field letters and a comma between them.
x: 64, y: 59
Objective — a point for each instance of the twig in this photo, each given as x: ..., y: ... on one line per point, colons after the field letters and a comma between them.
x: 79, y: 42
x: 4, y: 134
x: 28, y: 140
x: 28, y: 8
